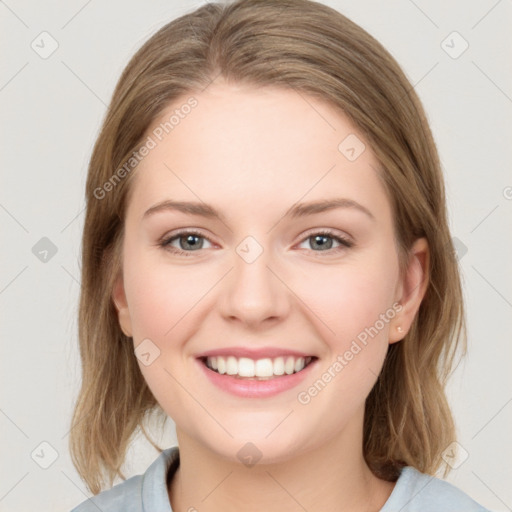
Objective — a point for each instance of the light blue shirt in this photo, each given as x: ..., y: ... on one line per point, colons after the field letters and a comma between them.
x: 413, y: 492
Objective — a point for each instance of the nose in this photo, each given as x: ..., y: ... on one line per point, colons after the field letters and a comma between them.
x: 253, y: 292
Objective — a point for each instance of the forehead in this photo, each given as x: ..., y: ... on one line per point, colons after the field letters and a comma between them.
x: 246, y: 147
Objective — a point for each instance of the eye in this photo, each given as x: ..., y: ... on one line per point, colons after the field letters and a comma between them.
x: 186, y: 240
x: 323, y: 241
x: 190, y: 241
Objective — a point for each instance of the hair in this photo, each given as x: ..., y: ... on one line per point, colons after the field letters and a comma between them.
x: 311, y: 48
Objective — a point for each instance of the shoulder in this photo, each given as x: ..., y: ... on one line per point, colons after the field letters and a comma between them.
x: 417, y: 492
x: 125, y: 496
x: 138, y: 493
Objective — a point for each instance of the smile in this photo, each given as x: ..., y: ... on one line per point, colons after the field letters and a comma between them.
x: 259, y: 369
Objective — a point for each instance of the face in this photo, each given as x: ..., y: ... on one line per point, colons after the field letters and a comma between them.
x: 262, y: 281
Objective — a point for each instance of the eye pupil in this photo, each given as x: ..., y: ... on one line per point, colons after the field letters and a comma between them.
x: 188, y: 239
x: 324, y: 238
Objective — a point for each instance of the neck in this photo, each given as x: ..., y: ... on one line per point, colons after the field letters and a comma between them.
x: 331, y: 477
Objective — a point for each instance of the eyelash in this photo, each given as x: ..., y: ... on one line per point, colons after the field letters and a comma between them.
x: 165, y: 243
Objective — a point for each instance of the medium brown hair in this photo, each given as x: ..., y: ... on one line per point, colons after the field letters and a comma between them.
x: 311, y: 48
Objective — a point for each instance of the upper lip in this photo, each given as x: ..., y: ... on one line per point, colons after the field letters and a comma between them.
x: 254, y: 353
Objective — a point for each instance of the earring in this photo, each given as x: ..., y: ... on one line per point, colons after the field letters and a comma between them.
x: 399, y: 328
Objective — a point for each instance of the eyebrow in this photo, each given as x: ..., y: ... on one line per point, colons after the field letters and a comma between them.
x: 296, y: 211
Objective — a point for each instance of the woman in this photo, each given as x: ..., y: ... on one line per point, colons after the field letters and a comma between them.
x: 267, y: 261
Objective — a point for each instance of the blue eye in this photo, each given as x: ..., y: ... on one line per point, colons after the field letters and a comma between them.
x: 192, y: 240
x: 323, y: 240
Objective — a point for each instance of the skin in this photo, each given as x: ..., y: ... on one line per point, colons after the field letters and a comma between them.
x: 253, y: 153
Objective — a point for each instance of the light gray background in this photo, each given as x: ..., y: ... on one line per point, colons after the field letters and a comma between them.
x: 52, y: 109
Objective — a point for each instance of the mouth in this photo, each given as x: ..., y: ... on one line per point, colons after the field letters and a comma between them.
x: 245, y: 368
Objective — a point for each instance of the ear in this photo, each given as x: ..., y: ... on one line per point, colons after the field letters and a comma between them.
x: 411, y: 289
x: 119, y: 298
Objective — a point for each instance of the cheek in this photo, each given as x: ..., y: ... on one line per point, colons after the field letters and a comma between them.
x: 349, y: 300
x: 161, y: 296
x: 161, y: 301
x: 354, y: 312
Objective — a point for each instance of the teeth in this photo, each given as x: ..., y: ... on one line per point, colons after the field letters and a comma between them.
x: 261, y: 368
x: 246, y: 367
x: 231, y: 366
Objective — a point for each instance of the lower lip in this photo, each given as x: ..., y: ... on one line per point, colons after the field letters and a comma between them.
x: 247, y: 388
